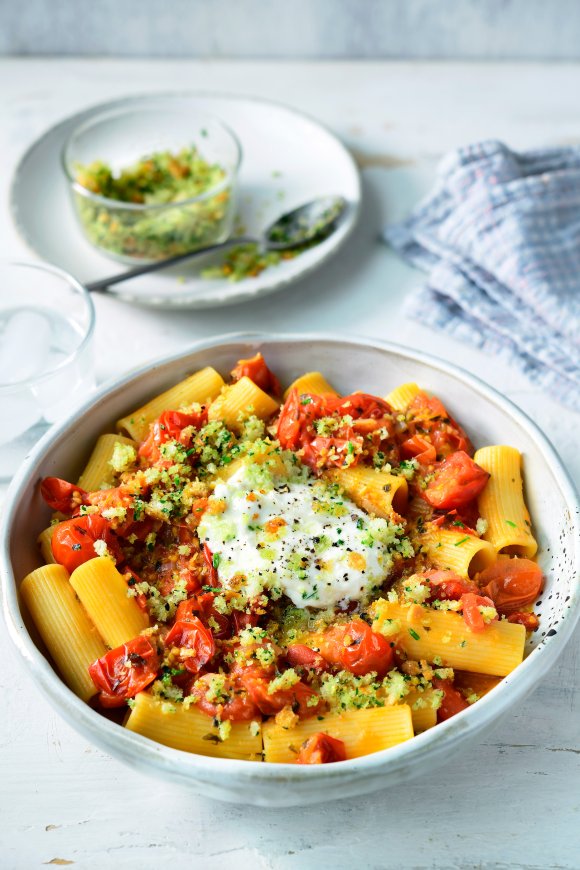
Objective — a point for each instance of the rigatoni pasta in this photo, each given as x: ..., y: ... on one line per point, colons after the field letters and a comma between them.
x: 64, y: 626
x: 188, y: 729
x: 102, y: 591
x: 99, y: 472
x: 311, y: 382
x: 501, y: 504
x: 362, y: 732
x: 295, y: 583
x: 240, y: 401
x: 457, y: 550
x: 201, y: 387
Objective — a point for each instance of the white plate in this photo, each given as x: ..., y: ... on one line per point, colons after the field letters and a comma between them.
x: 350, y: 364
x: 287, y: 159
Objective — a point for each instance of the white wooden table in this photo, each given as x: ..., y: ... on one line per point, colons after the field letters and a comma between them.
x: 513, y: 801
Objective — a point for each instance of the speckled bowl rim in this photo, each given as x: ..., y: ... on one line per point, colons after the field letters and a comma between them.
x: 213, y: 775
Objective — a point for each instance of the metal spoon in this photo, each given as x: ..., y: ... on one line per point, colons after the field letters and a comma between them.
x: 307, y: 223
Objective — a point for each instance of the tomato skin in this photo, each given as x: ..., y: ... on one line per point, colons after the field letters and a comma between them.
x: 511, y: 583
x: 529, y: 620
x: 213, y: 579
x: 471, y: 614
x: 301, y: 656
x: 61, y: 495
x: 257, y: 371
x: 234, y: 705
x: 453, y: 701
x: 244, y: 620
x: 124, y: 671
x: 447, y: 585
x: 202, y: 605
x: 420, y: 449
x: 366, y: 650
x: 73, y: 541
x: 256, y: 681
x: 321, y: 749
x: 192, y: 635
x: 457, y: 482
x: 169, y: 427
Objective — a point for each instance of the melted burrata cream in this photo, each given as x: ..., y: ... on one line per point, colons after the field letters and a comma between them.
x: 303, y: 539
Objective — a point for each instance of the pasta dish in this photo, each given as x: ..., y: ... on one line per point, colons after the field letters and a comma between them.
x: 300, y: 576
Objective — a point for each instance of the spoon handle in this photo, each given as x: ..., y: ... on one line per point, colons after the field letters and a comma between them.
x: 102, y: 285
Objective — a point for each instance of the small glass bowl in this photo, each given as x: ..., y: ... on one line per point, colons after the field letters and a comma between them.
x: 142, y: 232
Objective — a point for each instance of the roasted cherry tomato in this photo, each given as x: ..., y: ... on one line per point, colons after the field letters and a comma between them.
x: 244, y: 620
x: 228, y: 698
x: 457, y: 482
x: 419, y: 448
x: 298, y: 655
x: 471, y: 613
x: 511, y: 583
x: 73, y: 541
x: 355, y: 426
x: 321, y: 749
x: 202, y: 605
x: 301, y: 698
x: 453, y: 701
x: 169, y: 427
x: 427, y: 416
x: 257, y: 371
x: 529, y: 620
x: 194, y: 640
x: 61, y: 495
x: 447, y: 585
x: 355, y: 647
x: 124, y: 671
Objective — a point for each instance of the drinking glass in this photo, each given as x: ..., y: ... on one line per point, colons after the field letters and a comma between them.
x: 46, y: 354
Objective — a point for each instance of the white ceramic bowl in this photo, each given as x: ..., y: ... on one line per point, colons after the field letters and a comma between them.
x: 350, y: 364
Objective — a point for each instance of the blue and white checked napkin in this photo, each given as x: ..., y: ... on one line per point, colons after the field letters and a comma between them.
x: 500, y: 239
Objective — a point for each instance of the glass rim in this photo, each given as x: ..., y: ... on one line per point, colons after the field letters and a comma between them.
x: 90, y: 306
x: 106, y: 115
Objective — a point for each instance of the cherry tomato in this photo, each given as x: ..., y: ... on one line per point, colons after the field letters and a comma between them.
x: 453, y: 701
x: 364, y: 425
x: 232, y: 702
x: 257, y: 371
x: 61, y: 495
x: 457, y: 482
x: 470, y: 609
x: 194, y: 640
x: 301, y: 698
x: 447, y: 585
x: 529, y: 620
x: 429, y: 416
x: 356, y: 648
x: 202, y: 605
x: 243, y: 620
x: 73, y: 541
x: 124, y: 671
x: 123, y: 497
x: 301, y: 656
x: 321, y: 749
x: 420, y: 449
x: 511, y: 583
x: 169, y: 427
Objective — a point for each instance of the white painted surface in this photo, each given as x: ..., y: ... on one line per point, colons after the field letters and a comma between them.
x: 514, y: 801
x: 450, y: 29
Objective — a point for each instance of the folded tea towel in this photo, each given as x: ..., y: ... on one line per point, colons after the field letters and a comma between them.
x: 500, y: 239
